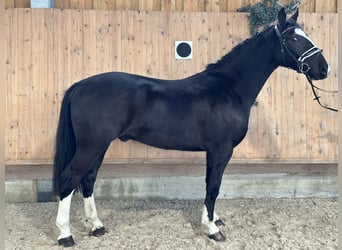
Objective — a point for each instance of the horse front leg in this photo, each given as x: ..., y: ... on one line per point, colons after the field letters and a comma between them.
x: 216, y: 164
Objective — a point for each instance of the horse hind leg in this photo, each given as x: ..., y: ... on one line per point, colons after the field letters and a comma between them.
x: 62, y: 222
x: 83, y: 162
x: 87, y: 186
x: 91, y: 215
x: 67, y: 189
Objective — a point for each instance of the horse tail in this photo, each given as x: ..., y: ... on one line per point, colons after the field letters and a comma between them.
x: 65, y: 146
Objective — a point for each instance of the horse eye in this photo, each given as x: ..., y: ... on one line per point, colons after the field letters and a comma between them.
x: 295, y: 39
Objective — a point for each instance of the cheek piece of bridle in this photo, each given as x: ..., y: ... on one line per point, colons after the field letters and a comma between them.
x: 302, y: 67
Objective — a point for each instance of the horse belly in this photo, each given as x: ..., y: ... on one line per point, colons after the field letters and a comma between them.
x: 182, y: 141
x: 165, y: 130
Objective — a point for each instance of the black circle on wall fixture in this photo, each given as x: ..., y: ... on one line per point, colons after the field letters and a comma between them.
x: 183, y: 49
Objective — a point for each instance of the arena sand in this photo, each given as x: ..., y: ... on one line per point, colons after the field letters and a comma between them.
x: 175, y: 224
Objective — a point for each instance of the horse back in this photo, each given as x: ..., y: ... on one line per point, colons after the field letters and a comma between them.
x: 161, y: 113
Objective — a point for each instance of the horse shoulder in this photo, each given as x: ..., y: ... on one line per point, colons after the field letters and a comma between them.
x: 227, y: 121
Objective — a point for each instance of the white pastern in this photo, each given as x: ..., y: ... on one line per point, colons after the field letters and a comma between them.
x: 63, y: 216
x: 212, y: 228
x: 90, y: 212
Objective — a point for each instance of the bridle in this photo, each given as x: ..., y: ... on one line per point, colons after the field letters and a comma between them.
x: 302, y: 67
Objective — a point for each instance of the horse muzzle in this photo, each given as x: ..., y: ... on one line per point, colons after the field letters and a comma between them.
x: 320, y: 74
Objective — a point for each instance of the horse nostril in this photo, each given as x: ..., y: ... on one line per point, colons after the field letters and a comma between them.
x: 325, y: 70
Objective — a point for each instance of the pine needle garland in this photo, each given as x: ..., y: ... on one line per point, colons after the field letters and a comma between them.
x: 265, y: 12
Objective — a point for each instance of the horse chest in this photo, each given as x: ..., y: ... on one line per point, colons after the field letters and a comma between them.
x: 228, y: 126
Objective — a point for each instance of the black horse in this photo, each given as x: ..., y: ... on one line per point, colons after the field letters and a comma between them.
x: 208, y: 111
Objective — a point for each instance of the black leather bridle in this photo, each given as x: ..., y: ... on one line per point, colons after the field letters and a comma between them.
x: 302, y: 67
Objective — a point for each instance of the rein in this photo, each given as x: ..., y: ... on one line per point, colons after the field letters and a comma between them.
x: 302, y: 67
x: 317, y: 98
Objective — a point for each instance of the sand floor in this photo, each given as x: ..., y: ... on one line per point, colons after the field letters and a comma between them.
x: 175, y: 224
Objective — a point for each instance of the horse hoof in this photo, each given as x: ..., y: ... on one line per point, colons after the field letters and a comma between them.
x: 217, y: 236
x: 98, y: 232
x: 219, y: 223
x: 66, y: 242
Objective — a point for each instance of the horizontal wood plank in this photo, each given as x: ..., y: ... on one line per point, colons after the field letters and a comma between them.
x: 38, y: 172
x: 320, y: 6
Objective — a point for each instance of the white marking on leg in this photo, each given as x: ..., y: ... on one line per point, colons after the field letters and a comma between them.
x: 63, y: 216
x: 212, y: 228
x: 90, y: 212
x: 216, y: 217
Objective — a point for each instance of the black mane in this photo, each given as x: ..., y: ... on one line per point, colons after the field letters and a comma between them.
x: 231, y: 54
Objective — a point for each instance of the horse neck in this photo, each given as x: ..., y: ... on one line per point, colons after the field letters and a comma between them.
x: 250, y: 65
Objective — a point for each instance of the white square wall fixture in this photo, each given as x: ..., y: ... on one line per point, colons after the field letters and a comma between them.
x: 183, y: 50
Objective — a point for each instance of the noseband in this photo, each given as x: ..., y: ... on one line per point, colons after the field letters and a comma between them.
x: 302, y: 67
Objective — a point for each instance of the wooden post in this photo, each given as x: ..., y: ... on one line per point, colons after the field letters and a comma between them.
x: 3, y: 64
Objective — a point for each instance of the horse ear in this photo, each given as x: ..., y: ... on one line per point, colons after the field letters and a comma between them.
x: 295, y: 15
x: 282, y: 17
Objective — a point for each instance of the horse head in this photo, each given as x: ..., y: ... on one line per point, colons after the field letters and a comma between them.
x: 298, y: 51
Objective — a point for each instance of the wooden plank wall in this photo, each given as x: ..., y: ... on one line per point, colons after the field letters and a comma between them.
x: 48, y: 50
x: 319, y: 6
